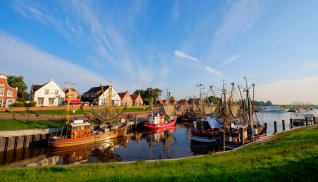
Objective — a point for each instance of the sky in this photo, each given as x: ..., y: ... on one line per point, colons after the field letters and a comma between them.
x: 168, y: 44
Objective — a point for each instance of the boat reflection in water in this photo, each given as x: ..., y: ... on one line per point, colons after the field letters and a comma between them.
x: 199, y: 148
x: 164, y: 138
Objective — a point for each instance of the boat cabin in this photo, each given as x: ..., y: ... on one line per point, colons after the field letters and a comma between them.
x: 158, y: 119
x: 79, y: 129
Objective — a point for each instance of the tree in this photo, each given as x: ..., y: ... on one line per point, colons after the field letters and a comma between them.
x: 18, y: 81
x: 149, y: 94
x: 269, y: 103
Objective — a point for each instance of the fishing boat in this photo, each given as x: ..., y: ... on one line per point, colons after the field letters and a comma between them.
x: 159, y: 121
x: 80, y: 132
x: 164, y: 117
x: 207, y: 130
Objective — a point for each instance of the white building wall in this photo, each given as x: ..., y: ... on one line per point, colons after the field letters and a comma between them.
x: 104, y: 97
x: 52, y: 87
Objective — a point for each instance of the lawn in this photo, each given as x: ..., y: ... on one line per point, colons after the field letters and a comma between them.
x: 75, y: 112
x: 291, y: 158
x: 18, y: 124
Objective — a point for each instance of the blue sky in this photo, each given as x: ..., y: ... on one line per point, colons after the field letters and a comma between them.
x: 167, y: 44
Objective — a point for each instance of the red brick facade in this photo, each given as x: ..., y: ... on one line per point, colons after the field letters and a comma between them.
x: 137, y: 100
x: 75, y: 97
x: 126, y: 100
x: 8, y: 95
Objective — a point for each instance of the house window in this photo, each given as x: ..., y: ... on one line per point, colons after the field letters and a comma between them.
x: 56, y: 92
x: 40, y: 101
x: 9, y: 103
x: 75, y: 94
x: 46, y: 92
x: 9, y: 94
x: 1, y: 103
x: 1, y: 91
x: 51, y: 101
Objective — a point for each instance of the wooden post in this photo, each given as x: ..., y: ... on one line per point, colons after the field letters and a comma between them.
x: 306, y: 121
x: 275, y: 127
x: 283, y: 124
x: 265, y: 126
x: 223, y: 140
x: 242, y: 136
x: 314, y: 118
x: 291, y: 124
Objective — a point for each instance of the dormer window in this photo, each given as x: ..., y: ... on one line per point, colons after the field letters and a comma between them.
x: 9, y: 94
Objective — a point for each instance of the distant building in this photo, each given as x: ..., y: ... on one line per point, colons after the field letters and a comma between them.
x: 8, y: 95
x: 48, y: 94
x: 99, y: 96
x: 137, y: 100
x: 74, y: 97
x: 126, y: 100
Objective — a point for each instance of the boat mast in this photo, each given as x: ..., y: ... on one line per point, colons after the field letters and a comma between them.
x: 68, y: 102
x: 110, y: 100
x: 225, y: 106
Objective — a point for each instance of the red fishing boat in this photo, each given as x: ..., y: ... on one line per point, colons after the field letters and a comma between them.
x: 159, y: 122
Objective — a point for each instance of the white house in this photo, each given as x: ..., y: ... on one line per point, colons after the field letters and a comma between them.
x: 99, y: 95
x: 48, y: 94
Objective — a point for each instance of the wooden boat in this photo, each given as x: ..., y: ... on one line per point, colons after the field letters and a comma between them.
x: 159, y: 122
x: 81, y: 133
x: 78, y: 132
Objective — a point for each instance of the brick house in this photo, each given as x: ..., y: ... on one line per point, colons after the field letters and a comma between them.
x: 75, y: 97
x: 137, y: 100
x: 96, y: 96
x: 8, y: 95
x: 48, y: 94
x: 126, y: 100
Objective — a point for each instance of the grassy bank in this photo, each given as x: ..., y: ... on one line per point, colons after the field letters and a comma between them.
x: 291, y: 158
x: 75, y: 112
x: 11, y: 124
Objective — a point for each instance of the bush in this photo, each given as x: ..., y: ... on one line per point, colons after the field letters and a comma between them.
x: 18, y: 104
x: 30, y: 104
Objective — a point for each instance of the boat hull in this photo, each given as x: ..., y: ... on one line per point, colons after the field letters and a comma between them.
x: 160, y: 126
x: 68, y: 142
x: 203, y: 139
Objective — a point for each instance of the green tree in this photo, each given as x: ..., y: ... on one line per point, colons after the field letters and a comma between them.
x: 149, y: 94
x: 18, y: 81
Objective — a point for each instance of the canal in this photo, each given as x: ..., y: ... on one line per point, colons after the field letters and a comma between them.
x: 138, y: 145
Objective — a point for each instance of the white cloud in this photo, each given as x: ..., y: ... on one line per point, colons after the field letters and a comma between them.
x: 213, y: 71
x: 231, y: 59
x: 186, y: 56
x: 240, y: 17
x: 38, y: 67
x: 288, y: 91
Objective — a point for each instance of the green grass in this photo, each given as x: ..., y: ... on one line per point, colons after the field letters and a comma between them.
x: 52, y: 112
x: 291, y: 158
x: 11, y: 124
x: 63, y: 111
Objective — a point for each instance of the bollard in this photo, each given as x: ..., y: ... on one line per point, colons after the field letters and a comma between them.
x: 283, y: 124
x: 291, y: 124
x: 265, y: 128
x: 275, y: 127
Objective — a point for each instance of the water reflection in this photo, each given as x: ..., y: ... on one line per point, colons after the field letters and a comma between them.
x: 134, y: 146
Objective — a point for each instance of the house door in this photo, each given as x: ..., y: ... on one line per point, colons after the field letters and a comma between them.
x: 1, y: 101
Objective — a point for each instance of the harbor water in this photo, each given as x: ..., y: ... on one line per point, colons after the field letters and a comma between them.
x: 139, y: 145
